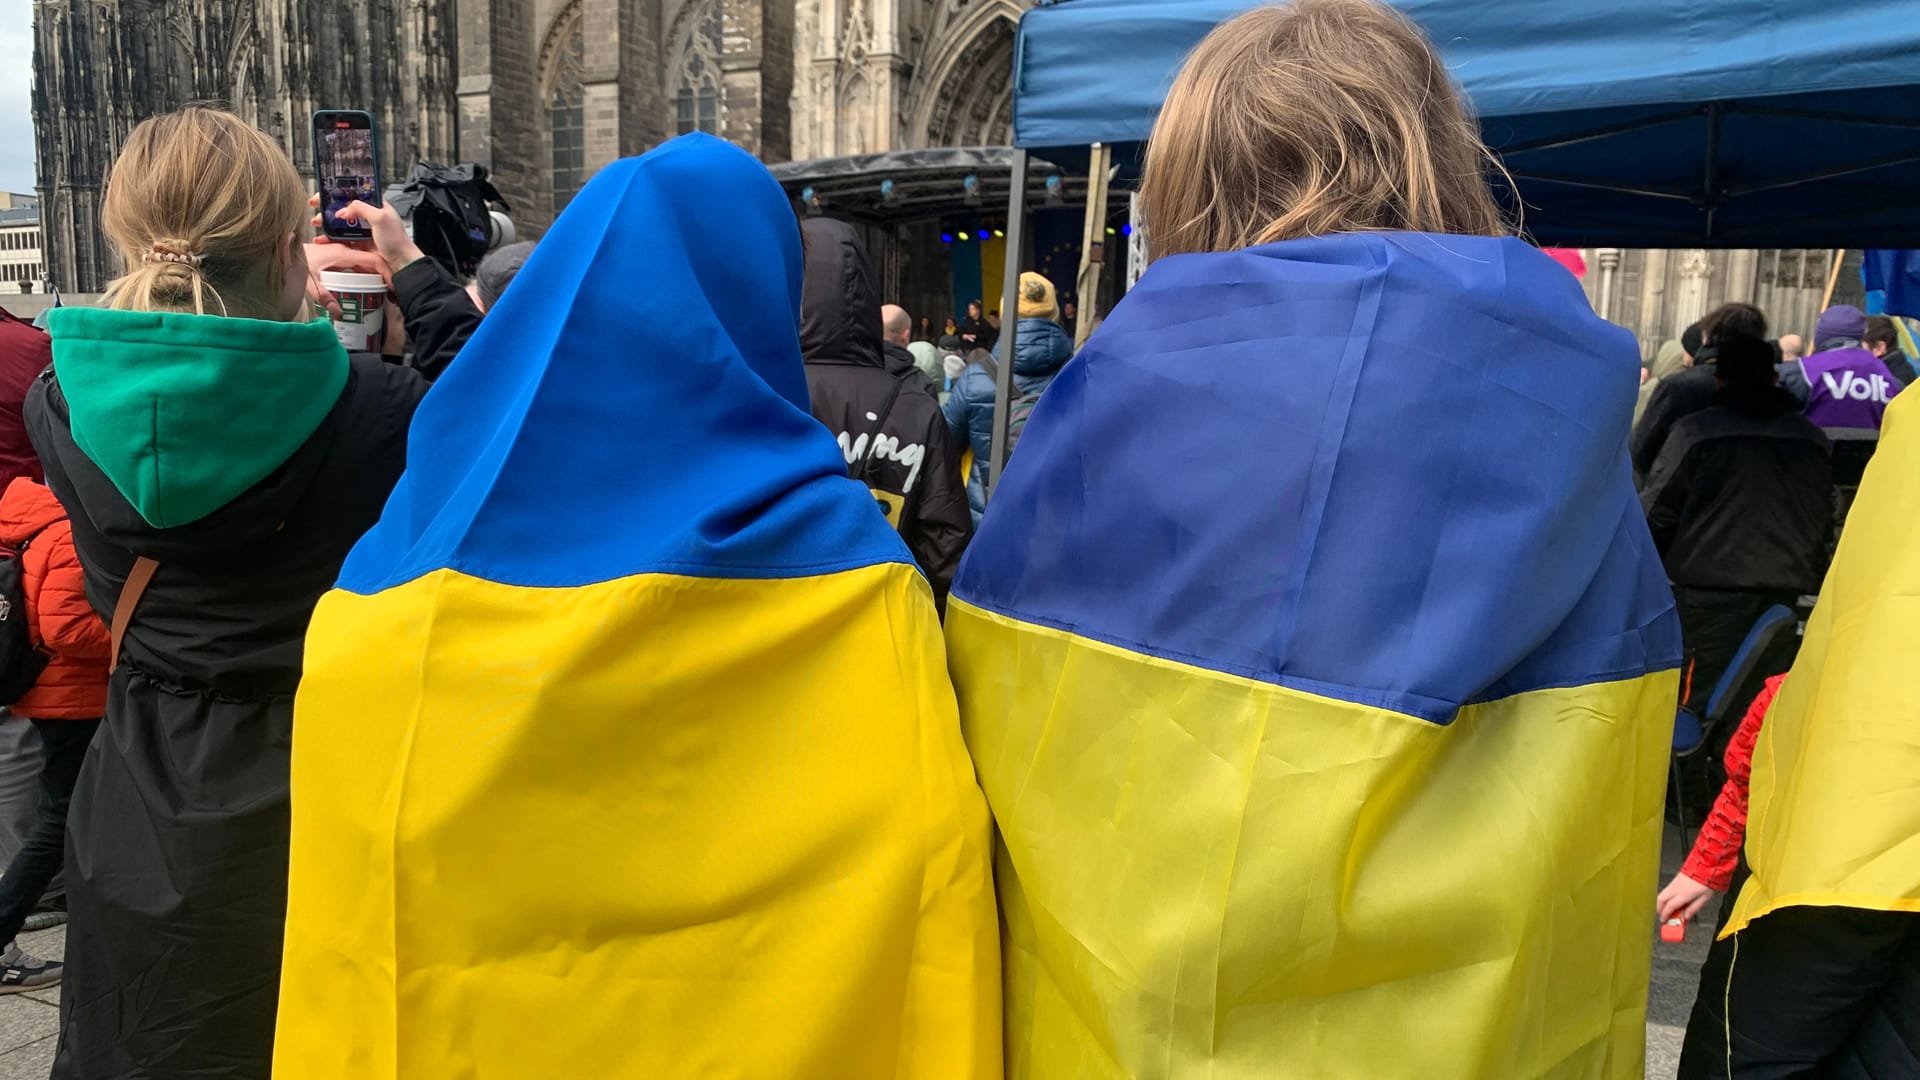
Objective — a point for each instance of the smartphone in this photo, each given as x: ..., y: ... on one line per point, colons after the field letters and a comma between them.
x: 346, y: 159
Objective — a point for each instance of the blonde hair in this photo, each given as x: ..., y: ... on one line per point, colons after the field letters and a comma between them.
x: 199, y: 204
x: 1315, y: 117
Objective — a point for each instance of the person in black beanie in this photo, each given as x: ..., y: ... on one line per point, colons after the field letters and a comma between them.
x: 1693, y: 389
x: 1692, y: 340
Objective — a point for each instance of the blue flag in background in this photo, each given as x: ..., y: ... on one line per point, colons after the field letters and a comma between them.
x: 1056, y: 247
x: 1892, y: 278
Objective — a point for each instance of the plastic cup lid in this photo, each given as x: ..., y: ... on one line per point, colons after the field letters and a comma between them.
x: 346, y: 281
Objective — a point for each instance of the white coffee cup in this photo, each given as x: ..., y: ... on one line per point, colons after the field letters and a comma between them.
x: 363, y: 308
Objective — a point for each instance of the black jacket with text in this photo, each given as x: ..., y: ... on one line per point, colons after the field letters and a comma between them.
x: 885, y: 415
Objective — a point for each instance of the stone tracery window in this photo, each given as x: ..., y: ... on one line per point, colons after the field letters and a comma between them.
x: 696, y: 101
x: 566, y: 114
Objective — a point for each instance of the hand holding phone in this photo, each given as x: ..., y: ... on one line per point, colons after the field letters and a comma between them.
x: 346, y: 159
x: 386, y: 234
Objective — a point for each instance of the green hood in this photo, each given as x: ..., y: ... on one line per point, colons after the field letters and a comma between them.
x: 185, y: 412
x: 1670, y: 360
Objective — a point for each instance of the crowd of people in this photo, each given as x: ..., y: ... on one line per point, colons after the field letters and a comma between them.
x: 1754, y: 456
x: 543, y: 699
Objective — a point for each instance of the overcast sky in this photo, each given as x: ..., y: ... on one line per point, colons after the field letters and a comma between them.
x: 16, y: 92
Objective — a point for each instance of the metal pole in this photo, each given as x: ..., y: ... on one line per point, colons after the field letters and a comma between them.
x: 1093, y: 242
x: 1833, y: 282
x: 1009, y: 317
x: 1136, y: 242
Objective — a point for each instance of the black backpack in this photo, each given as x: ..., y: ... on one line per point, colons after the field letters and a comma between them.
x: 451, y: 221
x: 21, y: 661
x: 1022, y: 408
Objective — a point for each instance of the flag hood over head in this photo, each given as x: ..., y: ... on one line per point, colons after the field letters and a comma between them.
x: 546, y: 405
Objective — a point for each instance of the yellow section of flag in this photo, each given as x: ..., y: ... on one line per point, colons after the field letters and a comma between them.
x: 1834, y: 811
x: 659, y: 827
x: 1206, y: 875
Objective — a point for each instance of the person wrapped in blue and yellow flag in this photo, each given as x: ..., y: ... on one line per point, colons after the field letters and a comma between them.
x: 626, y: 748
x: 1816, y: 971
x: 1313, y: 653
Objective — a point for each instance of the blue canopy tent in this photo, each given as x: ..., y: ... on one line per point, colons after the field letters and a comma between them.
x: 1631, y: 123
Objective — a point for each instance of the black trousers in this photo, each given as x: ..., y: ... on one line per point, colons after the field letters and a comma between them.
x: 1713, y: 624
x: 40, y: 857
x: 1824, y: 993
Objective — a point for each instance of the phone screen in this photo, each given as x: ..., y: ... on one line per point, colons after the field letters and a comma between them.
x: 347, y: 166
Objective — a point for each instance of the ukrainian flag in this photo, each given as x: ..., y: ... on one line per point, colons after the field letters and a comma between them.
x: 1833, y: 817
x: 1320, y: 673
x: 626, y: 747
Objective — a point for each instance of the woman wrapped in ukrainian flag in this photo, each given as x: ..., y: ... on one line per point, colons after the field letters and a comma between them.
x: 625, y: 747
x: 1313, y: 653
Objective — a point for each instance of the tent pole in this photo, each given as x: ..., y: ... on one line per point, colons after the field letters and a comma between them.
x: 1833, y: 281
x: 1093, y: 242
x: 1009, y: 317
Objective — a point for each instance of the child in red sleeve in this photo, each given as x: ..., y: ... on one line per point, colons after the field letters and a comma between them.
x: 1709, y: 869
x: 65, y: 706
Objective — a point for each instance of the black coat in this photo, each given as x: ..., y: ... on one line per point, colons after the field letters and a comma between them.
x: 1677, y: 397
x: 977, y: 334
x: 1741, y: 496
x: 884, y: 412
x: 177, y: 836
x: 901, y: 365
x: 1899, y: 367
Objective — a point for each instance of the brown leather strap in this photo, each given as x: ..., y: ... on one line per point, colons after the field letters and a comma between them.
x: 137, y: 581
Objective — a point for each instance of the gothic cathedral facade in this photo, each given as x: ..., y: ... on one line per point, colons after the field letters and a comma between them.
x: 542, y: 92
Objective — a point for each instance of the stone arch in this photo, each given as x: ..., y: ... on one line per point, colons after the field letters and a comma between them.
x: 240, y: 74
x: 563, y: 95
x: 855, y: 116
x: 240, y: 52
x: 958, y: 90
x: 693, y: 76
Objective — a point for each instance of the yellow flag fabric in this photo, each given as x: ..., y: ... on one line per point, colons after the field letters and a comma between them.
x: 1304, y: 887
x: 626, y: 748
x: 1834, y: 811
x: 577, y: 833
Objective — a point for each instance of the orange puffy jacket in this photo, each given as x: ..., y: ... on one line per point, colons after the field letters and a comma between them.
x: 74, y: 686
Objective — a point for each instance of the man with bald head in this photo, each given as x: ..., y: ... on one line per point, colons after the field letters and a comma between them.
x: 896, y: 328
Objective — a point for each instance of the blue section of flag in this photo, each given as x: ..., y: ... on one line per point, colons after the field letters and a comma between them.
x: 963, y: 262
x: 1895, y: 274
x: 635, y: 403
x: 1385, y: 468
x: 1056, y: 247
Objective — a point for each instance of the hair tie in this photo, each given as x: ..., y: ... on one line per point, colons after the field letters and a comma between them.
x: 160, y: 254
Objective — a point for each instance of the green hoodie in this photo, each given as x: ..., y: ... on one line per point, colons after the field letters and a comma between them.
x: 185, y: 412
x: 1671, y: 360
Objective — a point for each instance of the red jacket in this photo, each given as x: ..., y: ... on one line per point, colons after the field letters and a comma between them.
x: 74, y: 686
x: 24, y: 354
x: 1717, y: 849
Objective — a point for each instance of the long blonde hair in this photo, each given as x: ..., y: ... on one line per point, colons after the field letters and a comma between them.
x: 1314, y: 117
x: 199, y: 204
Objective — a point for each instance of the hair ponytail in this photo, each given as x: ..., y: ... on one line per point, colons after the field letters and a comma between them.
x: 199, y: 205
x: 167, y: 277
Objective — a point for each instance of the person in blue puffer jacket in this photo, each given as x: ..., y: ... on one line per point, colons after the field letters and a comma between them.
x: 1041, y: 347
